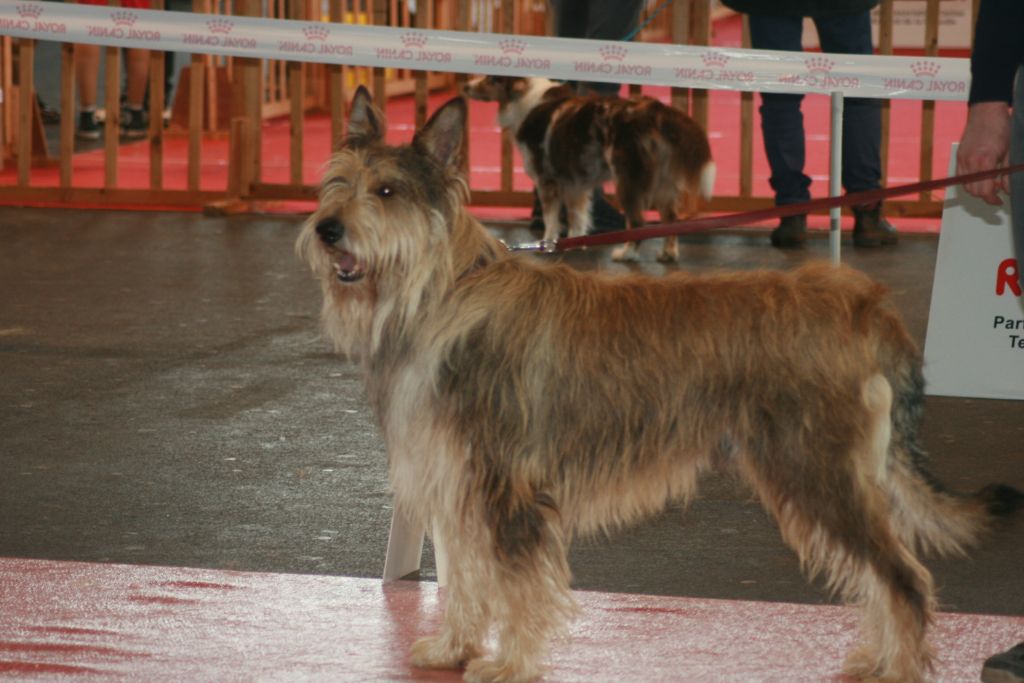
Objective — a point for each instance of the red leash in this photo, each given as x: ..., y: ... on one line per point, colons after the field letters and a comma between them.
x: 733, y: 219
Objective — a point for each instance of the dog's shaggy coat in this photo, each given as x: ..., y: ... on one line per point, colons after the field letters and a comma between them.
x: 525, y: 402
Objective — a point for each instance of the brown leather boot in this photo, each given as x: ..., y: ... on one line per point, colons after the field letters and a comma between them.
x: 792, y: 232
x: 870, y: 229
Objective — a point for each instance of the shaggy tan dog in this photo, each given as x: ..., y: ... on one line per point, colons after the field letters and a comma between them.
x: 524, y: 402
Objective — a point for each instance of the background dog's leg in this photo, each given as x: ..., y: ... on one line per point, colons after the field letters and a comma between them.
x: 670, y: 248
x: 551, y: 207
x: 632, y: 201
x: 577, y: 204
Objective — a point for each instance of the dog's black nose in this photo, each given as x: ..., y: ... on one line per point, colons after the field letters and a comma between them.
x: 330, y: 230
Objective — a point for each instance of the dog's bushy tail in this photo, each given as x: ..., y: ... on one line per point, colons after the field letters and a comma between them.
x: 929, y: 516
x: 707, y: 179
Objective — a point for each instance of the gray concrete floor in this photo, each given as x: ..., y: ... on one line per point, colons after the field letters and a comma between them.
x: 165, y: 399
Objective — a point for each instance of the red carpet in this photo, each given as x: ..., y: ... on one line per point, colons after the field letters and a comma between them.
x: 104, y: 621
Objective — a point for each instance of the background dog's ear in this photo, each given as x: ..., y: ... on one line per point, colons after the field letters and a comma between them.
x: 365, y: 121
x: 442, y: 136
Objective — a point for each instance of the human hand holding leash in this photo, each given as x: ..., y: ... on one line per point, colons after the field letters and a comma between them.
x: 985, y: 145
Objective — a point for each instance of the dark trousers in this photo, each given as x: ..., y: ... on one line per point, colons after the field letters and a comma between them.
x: 596, y: 20
x: 782, y: 122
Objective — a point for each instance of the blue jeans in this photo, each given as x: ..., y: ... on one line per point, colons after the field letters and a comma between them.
x: 782, y: 123
x: 597, y: 20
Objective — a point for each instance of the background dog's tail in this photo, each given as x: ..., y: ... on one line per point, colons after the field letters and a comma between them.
x: 928, y: 516
x: 707, y: 179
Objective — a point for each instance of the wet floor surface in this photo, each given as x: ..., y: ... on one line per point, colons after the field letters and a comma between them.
x: 165, y: 399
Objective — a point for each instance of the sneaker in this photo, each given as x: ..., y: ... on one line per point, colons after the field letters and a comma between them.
x: 88, y: 126
x: 47, y: 113
x: 133, y: 123
x: 870, y: 229
x: 792, y: 232
x: 1005, y: 667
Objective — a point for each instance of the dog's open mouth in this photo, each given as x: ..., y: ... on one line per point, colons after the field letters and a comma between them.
x: 346, y: 266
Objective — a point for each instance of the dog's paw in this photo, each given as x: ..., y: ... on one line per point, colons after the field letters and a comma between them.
x: 625, y: 252
x: 437, y: 652
x: 493, y: 671
x: 668, y: 256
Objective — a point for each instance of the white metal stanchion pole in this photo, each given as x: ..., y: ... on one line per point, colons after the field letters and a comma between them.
x: 835, y: 174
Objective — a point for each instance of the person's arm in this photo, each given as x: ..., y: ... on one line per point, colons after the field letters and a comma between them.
x: 998, y: 52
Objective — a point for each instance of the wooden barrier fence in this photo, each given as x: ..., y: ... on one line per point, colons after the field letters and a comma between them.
x: 221, y: 98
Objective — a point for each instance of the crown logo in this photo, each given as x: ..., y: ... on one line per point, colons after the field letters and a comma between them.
x: 315, y: 32
x: 512, y: 46
x: 928, y: 69
x: 29, y: 11
x: 220, y: 25
x: 712, y: 58
x: 412, y: 39
x: 819, y: 64
x: 124, y: 18
x: 613, y: 53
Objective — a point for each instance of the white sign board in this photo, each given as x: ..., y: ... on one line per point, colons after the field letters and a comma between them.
x: 975, y: 341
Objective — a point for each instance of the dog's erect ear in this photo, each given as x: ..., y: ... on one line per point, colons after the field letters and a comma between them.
x: 442, y: 136
x: 365, y: 121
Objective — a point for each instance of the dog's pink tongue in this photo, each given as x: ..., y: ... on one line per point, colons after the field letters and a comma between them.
x: 346, y: 261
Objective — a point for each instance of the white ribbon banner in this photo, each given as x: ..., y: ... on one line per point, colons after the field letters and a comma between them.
x: 919, y: 78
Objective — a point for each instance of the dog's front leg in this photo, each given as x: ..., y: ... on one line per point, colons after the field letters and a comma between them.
x: 529, y: 594
x: 466, y: 617
x: 551, y: 207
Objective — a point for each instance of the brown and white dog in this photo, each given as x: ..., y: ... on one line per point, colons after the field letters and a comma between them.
x: 658, y: 157
x: 512, y: 428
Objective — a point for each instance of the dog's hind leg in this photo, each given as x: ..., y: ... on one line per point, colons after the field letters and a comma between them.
x: 577, y: 206
x: 820, y: 478
x: 631, y: 204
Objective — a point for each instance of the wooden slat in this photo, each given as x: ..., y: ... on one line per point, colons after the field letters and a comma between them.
x: 746, y: 128
x: 6, y: 79
x: 336, y: 96
x: 67, y: 112
x: 420, y: 77
x: 379, y: 17
x: 26, y: 100
x: 102, y: 196
x: 507, y: 160
x: 112, y: 126
x: 700, y: 32
x: 156, y: 119
x: 197, y: 74
x: 680, y: 36
x: 931, y: 48
x: 462, y: 21
x: 297, y: 97
x: 248, y: 75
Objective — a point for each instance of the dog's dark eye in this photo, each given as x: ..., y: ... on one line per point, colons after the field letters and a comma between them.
x: 385, y: 191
